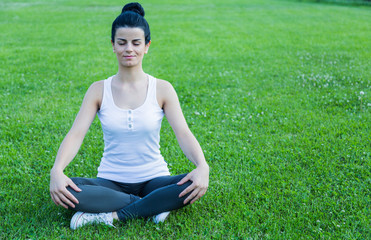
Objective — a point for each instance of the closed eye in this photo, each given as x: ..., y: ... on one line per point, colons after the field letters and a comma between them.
x: 136, y: 42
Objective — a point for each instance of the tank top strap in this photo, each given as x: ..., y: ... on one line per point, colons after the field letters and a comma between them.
x: 108, y: 87
x: 152, y: 89
x: 107, y: 93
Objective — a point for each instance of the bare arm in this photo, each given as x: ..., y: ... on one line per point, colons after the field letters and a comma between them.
x: 187, y: 142
x: 71, y: 145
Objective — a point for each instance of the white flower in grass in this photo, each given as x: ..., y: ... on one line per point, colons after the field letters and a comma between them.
x: 362, y: 92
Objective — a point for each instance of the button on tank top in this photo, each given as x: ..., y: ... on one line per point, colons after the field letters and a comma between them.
x: 131, y: 138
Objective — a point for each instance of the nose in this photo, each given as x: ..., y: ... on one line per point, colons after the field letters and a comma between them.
x: 129, y: 47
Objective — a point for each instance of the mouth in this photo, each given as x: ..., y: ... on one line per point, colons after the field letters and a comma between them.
x: 129, y: 56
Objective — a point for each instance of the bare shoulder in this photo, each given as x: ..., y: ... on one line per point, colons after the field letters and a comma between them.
x: 97, y: 86
x: 164, y: 88
x: 163, y: 85
x: 95, y: 93
x: 165, y: 92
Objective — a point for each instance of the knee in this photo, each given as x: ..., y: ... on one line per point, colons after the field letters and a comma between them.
x: 73, y: 192
x: 83, y: 198
x: 77, y: 180
x: 186, y: 184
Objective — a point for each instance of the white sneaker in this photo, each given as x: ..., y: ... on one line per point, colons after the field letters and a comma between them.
x: 160, y: 217
x: 80, y: 219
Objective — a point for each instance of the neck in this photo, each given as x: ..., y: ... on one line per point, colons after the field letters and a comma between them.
x: 133, y: 74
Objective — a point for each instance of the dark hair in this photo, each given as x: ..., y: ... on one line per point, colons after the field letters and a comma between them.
x: 132, y: 15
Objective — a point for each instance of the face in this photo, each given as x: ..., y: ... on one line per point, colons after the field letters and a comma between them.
x: 130, y: 46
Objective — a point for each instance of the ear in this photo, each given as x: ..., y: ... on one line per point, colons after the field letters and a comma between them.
x: 113, y: 46
x: 147, y: 46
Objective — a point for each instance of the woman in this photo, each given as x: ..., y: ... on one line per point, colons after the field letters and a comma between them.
x: 133, y: 179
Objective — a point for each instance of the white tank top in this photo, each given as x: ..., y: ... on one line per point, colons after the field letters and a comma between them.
x: 131, y: 138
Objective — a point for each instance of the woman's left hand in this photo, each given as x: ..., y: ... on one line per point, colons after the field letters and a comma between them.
x: 200, y: 182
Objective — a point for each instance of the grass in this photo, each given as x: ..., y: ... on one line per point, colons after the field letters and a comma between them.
x: 276, y: 92
x: 344, y: 2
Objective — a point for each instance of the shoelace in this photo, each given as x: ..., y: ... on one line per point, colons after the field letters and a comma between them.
x: 101, y: 217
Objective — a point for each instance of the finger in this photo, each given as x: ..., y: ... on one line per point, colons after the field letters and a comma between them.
x: 65, y: 201
x: 70, y: 197
x: 191, y: 196
x: 63, y: 205
x: 51, y: 195
x: 74, y: 186
x: 187, y: 190
x: 200, y: 194
x: 58, y: 202
x: 184, y: 180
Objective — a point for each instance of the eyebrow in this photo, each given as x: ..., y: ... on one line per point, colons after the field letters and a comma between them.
x: 123, y: 39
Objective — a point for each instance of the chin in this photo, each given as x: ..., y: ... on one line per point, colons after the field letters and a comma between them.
x: 129, y: 65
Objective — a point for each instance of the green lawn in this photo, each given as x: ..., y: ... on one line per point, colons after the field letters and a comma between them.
x: 277, y: 93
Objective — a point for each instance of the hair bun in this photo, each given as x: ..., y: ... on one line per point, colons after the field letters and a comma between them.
x: 133, y: 7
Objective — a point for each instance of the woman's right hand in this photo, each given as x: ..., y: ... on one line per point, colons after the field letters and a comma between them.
x: 70, y: 146
x: 58, y: 189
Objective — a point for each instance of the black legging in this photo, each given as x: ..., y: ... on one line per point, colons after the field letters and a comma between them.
x: 129, y: 200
